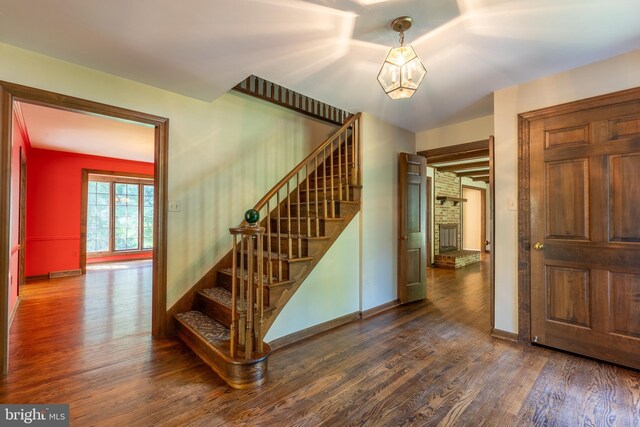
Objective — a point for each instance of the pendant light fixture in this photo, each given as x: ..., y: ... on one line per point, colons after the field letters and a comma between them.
x: 402, y: 70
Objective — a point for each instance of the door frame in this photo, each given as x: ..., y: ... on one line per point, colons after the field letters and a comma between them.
x: 10, y: 92
x: 524, y: 196
x: 22, y: 232
x: 430, y: 208
x: 472, y: 150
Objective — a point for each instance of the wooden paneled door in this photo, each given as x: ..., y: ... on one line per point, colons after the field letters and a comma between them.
x: 585, y: 231
x: 412, y: 228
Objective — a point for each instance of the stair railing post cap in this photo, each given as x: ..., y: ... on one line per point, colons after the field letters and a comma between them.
x: 252, y: 217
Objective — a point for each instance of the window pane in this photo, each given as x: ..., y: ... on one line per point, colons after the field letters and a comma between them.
x: 103, y: 187
x: 126, y: 217
x: 98, y: 216
x: 147, y: 219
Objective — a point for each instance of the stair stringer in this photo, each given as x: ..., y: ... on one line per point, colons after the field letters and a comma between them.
x: 332, y: 231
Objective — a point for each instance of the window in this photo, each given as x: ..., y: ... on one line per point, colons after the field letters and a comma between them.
x: 119, y: 214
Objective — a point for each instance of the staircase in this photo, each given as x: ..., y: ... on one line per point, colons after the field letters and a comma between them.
x: 231, y: 309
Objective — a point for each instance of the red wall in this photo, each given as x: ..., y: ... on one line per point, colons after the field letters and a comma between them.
x: 17, y: 142
x: 53, y: 206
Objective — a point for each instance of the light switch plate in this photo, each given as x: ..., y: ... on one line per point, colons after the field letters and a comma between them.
x: 512, y: 204
x: 175, y: 206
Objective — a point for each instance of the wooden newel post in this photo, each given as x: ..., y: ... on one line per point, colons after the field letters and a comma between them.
x: 247, y: 286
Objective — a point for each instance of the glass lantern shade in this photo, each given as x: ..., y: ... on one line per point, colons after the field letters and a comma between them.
x: 401, y: 73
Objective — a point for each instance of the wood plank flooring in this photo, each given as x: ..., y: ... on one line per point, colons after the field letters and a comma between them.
x: 86, y: 341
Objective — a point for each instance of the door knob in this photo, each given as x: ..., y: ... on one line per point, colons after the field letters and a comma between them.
x: 538, y: 246
x: 404, y: 238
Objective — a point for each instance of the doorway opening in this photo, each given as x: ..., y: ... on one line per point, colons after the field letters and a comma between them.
x: 13, y: 97
x: 462, y: 185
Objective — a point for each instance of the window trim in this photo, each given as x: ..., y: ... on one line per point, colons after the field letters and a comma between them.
x: 112, y: 177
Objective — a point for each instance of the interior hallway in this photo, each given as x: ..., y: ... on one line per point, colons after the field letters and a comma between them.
x: 426, y: 363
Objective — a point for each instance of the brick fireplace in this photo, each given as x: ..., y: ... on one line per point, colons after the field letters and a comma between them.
x: 448, y: 217
x: 447, y: 213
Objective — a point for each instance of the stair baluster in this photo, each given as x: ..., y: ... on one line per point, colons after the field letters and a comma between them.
x: 247, y: 290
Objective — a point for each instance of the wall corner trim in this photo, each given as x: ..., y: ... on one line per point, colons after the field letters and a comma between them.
x: 373, y: 311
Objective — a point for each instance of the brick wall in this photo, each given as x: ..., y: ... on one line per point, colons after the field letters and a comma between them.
x: 446, y: 184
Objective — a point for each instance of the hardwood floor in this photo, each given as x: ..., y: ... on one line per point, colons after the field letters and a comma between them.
x: 85, y: 341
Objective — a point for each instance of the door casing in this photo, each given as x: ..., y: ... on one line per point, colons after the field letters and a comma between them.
x: 11, y: 92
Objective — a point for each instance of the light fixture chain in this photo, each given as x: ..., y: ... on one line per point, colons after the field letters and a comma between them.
x: 401, y: 38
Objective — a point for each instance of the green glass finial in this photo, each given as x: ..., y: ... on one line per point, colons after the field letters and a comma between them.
x: 252, y: 216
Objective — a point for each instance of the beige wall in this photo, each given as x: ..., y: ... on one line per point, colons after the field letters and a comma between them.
x: 379, y: 215
x: 603, y: 77
x: 331, y: 290
x: 458, y: 133
x: 223, y: 156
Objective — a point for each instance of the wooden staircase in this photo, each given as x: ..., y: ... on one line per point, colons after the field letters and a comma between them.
x: 230, y: 310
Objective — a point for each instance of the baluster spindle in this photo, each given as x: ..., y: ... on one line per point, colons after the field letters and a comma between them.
x: 346, y: 165
x: 315, y: 174
x: 260, y: 297
x: 279, y: 235
x: 299, y: 209
x: 333, y: 207
x: 356, y: 140
x: 242, y: 308
x: 290, y: 249
x: 234, y: 296
x: 353, y: 156
x: 324, y: 184
x: 340, y: 167
x: 270, y: 261
x: 308, y: 197
x: 248, y: 336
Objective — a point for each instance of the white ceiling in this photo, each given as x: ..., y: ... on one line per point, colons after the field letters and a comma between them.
x: 331, y: 50
x: 60, y: 130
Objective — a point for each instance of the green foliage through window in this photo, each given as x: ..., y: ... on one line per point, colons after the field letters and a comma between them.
x: 119, y: 216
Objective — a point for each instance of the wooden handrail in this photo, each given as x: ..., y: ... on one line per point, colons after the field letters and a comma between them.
x: 293, y: 210
x: 350, y: 121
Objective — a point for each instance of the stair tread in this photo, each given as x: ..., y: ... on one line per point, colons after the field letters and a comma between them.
x: 212, y: 331
x: 347, y: 202
x: 229, y: 271
x: 321, y: 189
x: 276, y: 255
x: 295, y: 236
x: 304, y: 218
x: 221, y: 295
x: 266, y: 278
